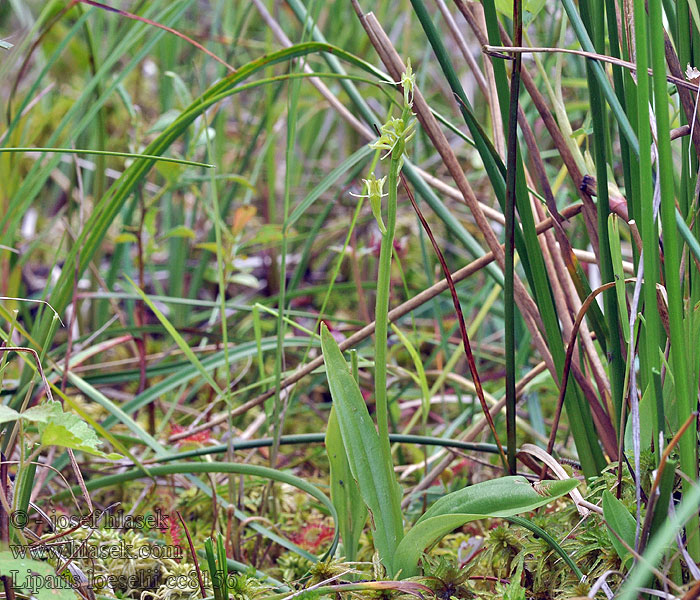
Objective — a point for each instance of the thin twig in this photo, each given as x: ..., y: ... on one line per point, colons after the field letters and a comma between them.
x: 509, y: 269
x: 462, y: 325
x: 569, y: 355
x: 194, y: 555
x: 499, y: 52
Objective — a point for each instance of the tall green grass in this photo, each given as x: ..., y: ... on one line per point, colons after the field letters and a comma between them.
x: 194, y: 224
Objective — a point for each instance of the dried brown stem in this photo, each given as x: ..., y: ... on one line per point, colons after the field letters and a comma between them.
x: 460, y: 317
x: 392, y: 61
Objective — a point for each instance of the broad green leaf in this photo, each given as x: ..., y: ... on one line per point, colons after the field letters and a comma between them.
x: 530, y: 9
x: 620, y: 521
x: 8, y: 414
x: 345, y: 494
x: 58, y: 428
x: 43, y: 413
x: 181, y: 231
x: 376, y: 480
x: 125, y: 237
x: 73, y: 433
x: 502, y: 497
x: 28, y: 574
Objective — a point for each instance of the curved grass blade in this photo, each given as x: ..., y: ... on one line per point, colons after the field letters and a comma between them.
x: 109, y: 207
x: 80, y: 151
x: 538, y: 531
x: 221, y: 467
x: 182, y: 344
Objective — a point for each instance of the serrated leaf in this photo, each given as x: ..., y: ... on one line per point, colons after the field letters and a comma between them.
x: 8, y: 414
x: 43, y: 413
x: 73, y: 433
x: 58, y: 428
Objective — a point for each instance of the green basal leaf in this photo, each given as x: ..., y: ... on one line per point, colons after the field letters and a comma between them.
x: 345, y: 493
x: 502, y: 497
x: 36, y: 577
x: 620, y: 521
x: 375, y: 479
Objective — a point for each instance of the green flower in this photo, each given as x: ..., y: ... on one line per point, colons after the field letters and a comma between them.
x: 408, y: 82
x: 395, y: 133
x: 375, y: 192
